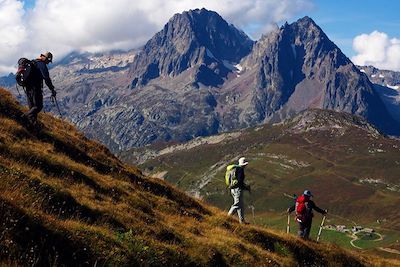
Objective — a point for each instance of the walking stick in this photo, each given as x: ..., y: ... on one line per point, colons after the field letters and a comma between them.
x: 16, y: 86
x: 288, y: 224
x: 320, y: 228
x: 251, y: 206
x: 54, y: 100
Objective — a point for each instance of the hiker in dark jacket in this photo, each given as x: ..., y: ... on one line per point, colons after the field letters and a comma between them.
x: 304, y: 207
x: 238, y: 189
x: 34, y: 88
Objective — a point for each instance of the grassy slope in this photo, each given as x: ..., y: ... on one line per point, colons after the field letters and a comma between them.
x: 330, y: 163
x: 65, y: 200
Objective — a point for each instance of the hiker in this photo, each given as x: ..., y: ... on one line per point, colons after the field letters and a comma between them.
x: 237, y: 187
x: 304, y: 206
x: 34, y: 88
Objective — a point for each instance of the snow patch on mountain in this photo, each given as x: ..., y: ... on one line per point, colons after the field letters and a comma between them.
x: 395, y: 87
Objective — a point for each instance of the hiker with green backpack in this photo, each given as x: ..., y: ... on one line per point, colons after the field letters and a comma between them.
x: 234, y: 179
x: 304, y: 207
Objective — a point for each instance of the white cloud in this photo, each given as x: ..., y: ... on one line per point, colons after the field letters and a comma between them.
x: 13, y: 32
x: 63, y: 26
x: 378, y: 50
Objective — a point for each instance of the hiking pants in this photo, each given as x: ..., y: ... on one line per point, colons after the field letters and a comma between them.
x: 304, y: 229
x: 238, y: 205
x: 35, y: 102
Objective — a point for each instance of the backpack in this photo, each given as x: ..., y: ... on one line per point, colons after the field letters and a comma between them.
x: 302, y: 214
x: 25, y: 71
x: 230, y: 176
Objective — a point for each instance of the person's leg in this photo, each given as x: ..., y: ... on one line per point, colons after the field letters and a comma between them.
x: 237, y: 205
x: 307, y: 229
x: 240, y: 210
x: 300, y: 233
x: 236, y: 200
x: 36, y: 103
x: 29, y: 97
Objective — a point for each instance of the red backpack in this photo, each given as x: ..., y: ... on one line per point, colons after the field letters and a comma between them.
x: 301, y: 208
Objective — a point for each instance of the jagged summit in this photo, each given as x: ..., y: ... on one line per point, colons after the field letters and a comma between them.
x: 297, y: 67
x: 199, y: 39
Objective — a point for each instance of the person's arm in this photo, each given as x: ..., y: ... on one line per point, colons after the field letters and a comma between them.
x: 240, y: 176
x: 290, y: 209
x: 46, y: 76
x: 317, y: 209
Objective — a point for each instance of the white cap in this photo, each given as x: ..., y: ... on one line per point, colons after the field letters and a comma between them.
x: 242, y: 162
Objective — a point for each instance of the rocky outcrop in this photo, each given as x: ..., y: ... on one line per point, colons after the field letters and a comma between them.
x: 386, y: 78
x: 199, y: 39
x: 387, y: 85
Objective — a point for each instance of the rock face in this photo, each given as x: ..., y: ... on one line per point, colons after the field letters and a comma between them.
x: 297, y: 67
x: 199, y: 39
x: 386, y: 78
x: 200, y: 76
x: 387, y: 85
x: 7, y: 81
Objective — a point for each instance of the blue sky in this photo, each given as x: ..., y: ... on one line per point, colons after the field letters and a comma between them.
x: 342, y: 20
x: 29, y: 3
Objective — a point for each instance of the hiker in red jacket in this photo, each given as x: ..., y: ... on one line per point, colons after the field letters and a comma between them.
x: 304, y: 207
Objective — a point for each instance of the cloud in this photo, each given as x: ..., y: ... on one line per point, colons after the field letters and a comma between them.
x: 99, y: 25
x: 13, y: 32
x: 378, y: 50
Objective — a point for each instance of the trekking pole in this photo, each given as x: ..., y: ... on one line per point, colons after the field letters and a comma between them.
x: 320, y: 228
x: 251, y: 206
x: 16, y: 86
x: 288, y: 224
x: 54, y: 100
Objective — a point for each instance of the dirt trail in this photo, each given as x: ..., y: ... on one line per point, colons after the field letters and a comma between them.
x: 390, y: 250
x: 354, y: 238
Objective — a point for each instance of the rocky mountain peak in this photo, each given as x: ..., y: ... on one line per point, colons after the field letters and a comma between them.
x: 297, y: 67
x: 199, y: 39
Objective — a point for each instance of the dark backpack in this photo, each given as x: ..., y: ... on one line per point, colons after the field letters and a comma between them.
x: 25, y: 72
x: 302, y: 214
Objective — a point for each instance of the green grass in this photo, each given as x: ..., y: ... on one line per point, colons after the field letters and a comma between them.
x: 368, y: 242
x: 279, y: 222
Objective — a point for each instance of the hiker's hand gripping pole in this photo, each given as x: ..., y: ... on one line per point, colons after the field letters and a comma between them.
x: 54, y: 100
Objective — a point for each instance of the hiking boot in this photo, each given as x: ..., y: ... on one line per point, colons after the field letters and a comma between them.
x: 32, y: 125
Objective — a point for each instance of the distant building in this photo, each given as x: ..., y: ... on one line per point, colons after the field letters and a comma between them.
x: 369, y: 230
x: 340, y: 228
x: 357, y: 228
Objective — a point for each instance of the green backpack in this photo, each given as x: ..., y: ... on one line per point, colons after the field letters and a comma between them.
x: 230, y: 176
